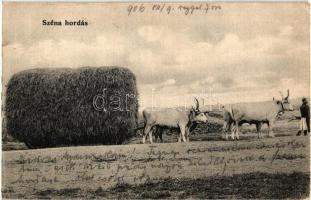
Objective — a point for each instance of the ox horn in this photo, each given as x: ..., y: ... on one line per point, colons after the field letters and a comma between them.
x: 281, y: 94
x: 287, y: 94
x: 197, y: 105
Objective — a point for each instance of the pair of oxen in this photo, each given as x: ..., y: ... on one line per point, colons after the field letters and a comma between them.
x: 234, y: 115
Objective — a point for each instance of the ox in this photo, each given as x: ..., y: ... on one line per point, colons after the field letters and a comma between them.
x: 254, y: 113
x: 182, y: 119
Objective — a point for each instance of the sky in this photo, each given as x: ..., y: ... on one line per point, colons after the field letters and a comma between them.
x: 240, y: 53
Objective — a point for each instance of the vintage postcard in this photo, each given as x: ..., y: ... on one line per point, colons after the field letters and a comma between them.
x: 158, y: 100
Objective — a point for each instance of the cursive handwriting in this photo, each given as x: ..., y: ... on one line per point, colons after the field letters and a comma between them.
x: 166, y: 8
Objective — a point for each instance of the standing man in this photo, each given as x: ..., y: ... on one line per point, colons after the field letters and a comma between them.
x: 305, y: 117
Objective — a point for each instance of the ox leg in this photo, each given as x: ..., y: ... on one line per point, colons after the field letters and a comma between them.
x: 146, y: 131
x: 233, y: 130
x: 183, y: 133
x: 237, y: 130
x: 160, y: 136
x: 187, y: 134
x: 258, y: 128
x: 150, y: 137
x: 156, y: 133
x: 225, y: 131
x: 270, y: 129
x: 179, y: 137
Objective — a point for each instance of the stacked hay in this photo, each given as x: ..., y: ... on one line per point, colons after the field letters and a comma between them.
x: 54, y: 107
x: 214, y: 125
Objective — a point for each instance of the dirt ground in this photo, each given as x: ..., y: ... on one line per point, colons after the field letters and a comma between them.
x: 206, y: 167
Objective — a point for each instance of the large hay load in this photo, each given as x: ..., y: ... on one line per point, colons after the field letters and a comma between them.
x: 63, y: 107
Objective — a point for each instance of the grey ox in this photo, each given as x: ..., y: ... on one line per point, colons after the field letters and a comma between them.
x: 180, y: 118
x: 254, y: 113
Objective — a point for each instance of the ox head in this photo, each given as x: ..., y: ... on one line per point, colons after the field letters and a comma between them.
x: 284, y: 103
x: 196, y: 115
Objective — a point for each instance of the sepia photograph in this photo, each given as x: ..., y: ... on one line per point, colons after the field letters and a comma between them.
x: 155, y: 100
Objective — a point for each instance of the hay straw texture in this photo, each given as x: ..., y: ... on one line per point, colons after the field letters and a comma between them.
x: 54, y: 107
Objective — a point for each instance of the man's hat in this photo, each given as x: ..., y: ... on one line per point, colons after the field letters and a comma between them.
x: 304, y: 99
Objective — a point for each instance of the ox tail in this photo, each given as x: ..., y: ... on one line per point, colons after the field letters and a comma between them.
x: 141, y: 125
x: 230, y: 112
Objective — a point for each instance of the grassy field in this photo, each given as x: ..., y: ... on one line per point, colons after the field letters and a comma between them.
x: 206, y: 167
